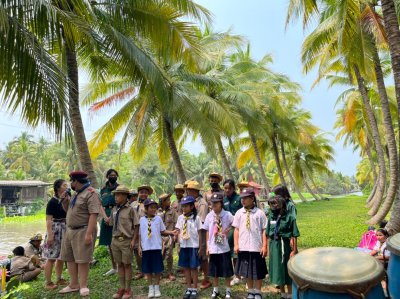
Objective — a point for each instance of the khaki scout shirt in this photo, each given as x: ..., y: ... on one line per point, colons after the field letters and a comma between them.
x: 127, y: 220
x: 177, y: 207
x: 31, y: 250
x: 88, y: 202
x: 202, y: 208
x: 21, y: 264
x: 207, y: 196
x: 139, y: 208
x: 169, y: 217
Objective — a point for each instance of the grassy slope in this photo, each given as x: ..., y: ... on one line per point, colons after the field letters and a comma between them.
x: 339, y: 222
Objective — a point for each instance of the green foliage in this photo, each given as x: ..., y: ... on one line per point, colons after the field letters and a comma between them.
x: 337, y: 222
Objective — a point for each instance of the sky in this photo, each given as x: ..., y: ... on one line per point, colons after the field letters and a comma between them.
x: 262, y: 22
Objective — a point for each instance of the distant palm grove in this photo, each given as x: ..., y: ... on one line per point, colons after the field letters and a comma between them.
x: 173, y: 78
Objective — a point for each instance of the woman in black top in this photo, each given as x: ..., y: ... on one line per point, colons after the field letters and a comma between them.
x: 55, y: 223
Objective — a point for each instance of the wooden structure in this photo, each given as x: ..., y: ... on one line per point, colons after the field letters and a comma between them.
x: 16, y: 195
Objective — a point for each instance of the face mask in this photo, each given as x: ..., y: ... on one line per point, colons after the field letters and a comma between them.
x: 214, y: 185
x: 112, y: 180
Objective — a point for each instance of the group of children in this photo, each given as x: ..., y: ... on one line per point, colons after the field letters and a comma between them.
x: 203, y: 235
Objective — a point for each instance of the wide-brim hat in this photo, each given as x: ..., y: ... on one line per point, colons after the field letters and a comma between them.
x: 121, y: 189
x: 247, y: 192
x: 148, y: 202
x: 243, y: 184
x: 187, y: 199
x: 78, y: 174
x: 164, y: 196
x: 193, y: 185
x: 133, y: 192
x: 217, y: 197
x: 148, y: 188
x: 179, y: 187
x: 37, y: 237
x: 215, y: 175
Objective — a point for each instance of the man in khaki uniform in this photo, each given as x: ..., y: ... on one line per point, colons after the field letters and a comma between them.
x: 125, y: 224
x: 78, y: 242
x: 214, y: 179
x: 144, y: 192
x: 169, y: 216
x: 193, y: 189
x: 179, y: 193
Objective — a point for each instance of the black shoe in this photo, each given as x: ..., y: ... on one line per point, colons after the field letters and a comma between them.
x: 214, y: 295
x: 250, y: 296
x: 187, y: 295
x: 193, y: 295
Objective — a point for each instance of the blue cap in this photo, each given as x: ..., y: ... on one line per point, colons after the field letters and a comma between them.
x: 149, y: 201
x: 187, y: 199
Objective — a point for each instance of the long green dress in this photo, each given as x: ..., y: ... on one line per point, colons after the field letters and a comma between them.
x: 232, y: 204
x: 108, y: 202
x: 278, y: 258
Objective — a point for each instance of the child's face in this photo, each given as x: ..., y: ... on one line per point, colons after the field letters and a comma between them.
x: 143, y: 194
x: 228, y: 190
x: 120, y: 198
x: 186, y: 209
x: 179, y: 193
x: 248, y: 202
x: 381, y: 237
x: 166, y: 203
x: 217, y: 207
x: 151, y: 210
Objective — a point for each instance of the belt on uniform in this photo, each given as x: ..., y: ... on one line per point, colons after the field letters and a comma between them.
x: 120, y: 238
x: 77, y: 227
x: 59, y: 220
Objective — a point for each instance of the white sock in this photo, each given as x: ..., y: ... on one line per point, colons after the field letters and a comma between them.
x: 250, y: 291
x: 156, y: 287
x: 256, y: 291
x: 216, y: 290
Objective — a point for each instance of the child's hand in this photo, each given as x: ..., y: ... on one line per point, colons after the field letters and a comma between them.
x: 292, y: 253
x: 132, y: 244
x: 207, y: 251
x: 140, y: 251
x: 236, y: 249
x: 264, y: 251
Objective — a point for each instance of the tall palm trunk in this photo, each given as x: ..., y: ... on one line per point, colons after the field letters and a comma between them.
x: 180, y: 173
x: 224, y: 158
x: 259, y: 162
x: 376, y: 200
x: 390, y: 141
x: 296, y: 187
x: 310, y: 191
x: 393, y: 33
x: 374, y: 174
x: 277, y: 162
x: 75, y: 116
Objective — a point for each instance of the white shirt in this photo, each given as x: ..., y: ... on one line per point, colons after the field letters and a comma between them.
x: 250, y: 239
x: 192, y: 230
x: 381, y: 250
x: 210, y: 225
x: 155, y: 241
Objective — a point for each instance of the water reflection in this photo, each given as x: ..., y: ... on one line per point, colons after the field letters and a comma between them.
x: 15, y: 234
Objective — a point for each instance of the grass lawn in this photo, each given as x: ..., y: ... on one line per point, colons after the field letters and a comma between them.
x: 338, y: 222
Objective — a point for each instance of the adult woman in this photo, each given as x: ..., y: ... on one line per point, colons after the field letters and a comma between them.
x: 108, y: 202
x: 55, y: 223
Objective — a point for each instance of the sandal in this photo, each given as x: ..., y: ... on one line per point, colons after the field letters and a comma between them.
x: 62, y: 282
x: 51, y: 286
x: 84, y: 292
x: 67, y: 290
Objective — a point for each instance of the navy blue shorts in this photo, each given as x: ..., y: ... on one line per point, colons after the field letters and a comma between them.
x: 152, y: 261
x: 189, y: 258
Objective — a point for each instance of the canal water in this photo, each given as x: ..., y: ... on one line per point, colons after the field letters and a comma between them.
x: 15, y: 234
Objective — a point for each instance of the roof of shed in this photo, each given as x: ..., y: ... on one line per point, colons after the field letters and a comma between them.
x: 23, y: 184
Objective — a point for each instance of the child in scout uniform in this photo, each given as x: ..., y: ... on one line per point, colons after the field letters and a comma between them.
x: 232, y: 203
x: 284, y: 192
x: 193, y: 189
x: 151, y: 230
x: 281, y: 228
x: 78, y: 243
x: 23, y: 267
x: 179, y: 193
x: 144, y: 192
x: 218, y: 225
x: 108, y: 203
x: 189, y: 226
x: 169, y: 217
x: 250, y: 243
x: 124, y: 223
